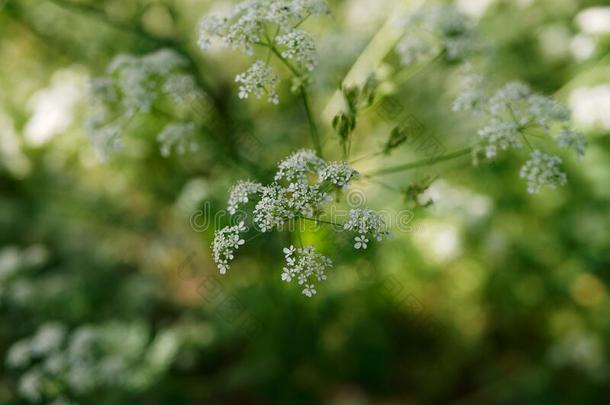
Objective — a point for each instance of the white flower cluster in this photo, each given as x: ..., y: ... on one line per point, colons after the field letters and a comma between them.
x: 302, y: 185
x: 177, y: 135
x: 249, y: 23
x: 226, y: 241
x: 240, y: 192
x: 338, y: 173
x: 300, y: 47
x: 258, y: 80
x: 433, y: 27
x: 366, y: 222
x: 306, y: 266
x: 132, y: 85
x: 513, y: 113
x: 56, y: 363
x: 542, y: 169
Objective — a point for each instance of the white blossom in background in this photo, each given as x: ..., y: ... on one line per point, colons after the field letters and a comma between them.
x: 366, y: 222
x: 226, y: 241
x: 132, y: 86
x: 181, y: 87
x: 414, y: 48
x: 437, y: 26
x: 264, y: 24
x: 594, y: 20
x: 542, y: 169
x: 178, y: 136
x: 259, y: 80
x: 302, y: 187
x: 55, y: 364
x: 240, y: 193
x: 306, y: 267
x: 590, y: 106
x: 514, y: 116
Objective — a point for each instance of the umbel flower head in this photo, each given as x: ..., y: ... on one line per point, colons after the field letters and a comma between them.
x: 269, y: 24
x: 303, y: 184
x: 134, y: 85
x: 434, y: 28
x: 306, y: 266
x: 513, y: 117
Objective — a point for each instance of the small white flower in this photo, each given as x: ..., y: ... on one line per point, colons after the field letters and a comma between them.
x: 338, y: 173
x: 179, y: 136
x: 240, y: 193
x: 300, y: 47
x: 226, y: 241
x: 365, y: 221
x: 361, y: 242
x: 258, y: 80
x: 307, y: 266
x: 542, y: 169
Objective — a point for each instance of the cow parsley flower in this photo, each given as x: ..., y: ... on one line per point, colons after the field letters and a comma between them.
x: 338, y: 173
x: 414, y: 48
x: 181, y: 87
x: 509, y: 114
x: 250, y: 23
x: 542, y: 169
x: 178, y: 136
x: 226, y: 242
x: 240, y: 192
x: 296, y: 167
x: 301, y: 189
x: 570, y: 139
x: 306, y: 266
x: 136, y: 85
x: 366, y: 222
x: 434, y: 26
x: 258, y: 80
x: 498, y: 133
x: 299, y: 46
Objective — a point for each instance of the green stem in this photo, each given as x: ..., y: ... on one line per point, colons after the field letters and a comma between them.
x: 421, y: 163
x: 313, y: 128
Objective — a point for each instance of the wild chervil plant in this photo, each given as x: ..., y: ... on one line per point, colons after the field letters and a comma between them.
x: 305, y: 184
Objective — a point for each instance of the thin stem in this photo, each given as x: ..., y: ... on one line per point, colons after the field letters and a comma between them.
x: 313, y: 128
x: 366, y: 157
x: 421, y: 163
x: 316, y: 220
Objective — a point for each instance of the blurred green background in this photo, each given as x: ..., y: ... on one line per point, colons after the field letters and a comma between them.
x: 108, y: 295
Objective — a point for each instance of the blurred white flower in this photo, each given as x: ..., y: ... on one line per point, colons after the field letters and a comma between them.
x: 594, y: 20
x: 591, y: 106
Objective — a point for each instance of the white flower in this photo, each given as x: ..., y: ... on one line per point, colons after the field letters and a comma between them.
x: 258, y: 80
x: 240, y: 192
x: 300, y: 47
x: 249, y: 23
x: 442, y: 24
x: 307, y: 266
x: 571, y: 139
x: 365, y: 221
x: 177, y: 135
x: 414, y: 48
x: 361, y: 242
x: 542, y: 169
x: 181, y: 87
x: 471, y: 94
x: 226, y: 242
x: 338, y: 173
x: 297, y: 166
x: 498, y: 133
